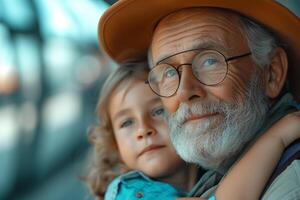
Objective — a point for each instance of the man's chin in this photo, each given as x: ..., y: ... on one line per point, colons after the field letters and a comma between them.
x: 208, y: 160
x: 199, y: 130
x: 208, y: 145
x: 200, y: 153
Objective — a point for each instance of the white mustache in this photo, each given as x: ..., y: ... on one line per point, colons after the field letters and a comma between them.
x: 186, y: 111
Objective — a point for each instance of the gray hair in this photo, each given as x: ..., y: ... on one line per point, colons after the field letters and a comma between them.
x: 149, y: 56
x: 261, y: 41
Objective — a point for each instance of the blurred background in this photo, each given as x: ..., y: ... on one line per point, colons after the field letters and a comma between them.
x: 51, y: 70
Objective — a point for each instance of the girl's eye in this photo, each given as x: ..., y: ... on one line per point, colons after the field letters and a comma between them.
x: 126, y: 123
x: 158, y: 112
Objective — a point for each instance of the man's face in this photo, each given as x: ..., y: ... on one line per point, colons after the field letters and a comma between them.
x: 209, y: 123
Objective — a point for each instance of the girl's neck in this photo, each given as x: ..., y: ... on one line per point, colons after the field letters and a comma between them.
x: 183, y: 179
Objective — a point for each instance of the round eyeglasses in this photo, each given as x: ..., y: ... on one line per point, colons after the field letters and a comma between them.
x: 210, y: 67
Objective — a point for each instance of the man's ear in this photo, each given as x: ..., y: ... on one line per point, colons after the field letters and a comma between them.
x: 276, y: 73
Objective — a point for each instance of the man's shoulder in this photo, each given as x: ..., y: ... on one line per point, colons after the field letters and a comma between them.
x: 207, y: 184
x: 286, y: 185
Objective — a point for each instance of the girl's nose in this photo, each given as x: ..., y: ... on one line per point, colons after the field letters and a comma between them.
x: 145, y: 131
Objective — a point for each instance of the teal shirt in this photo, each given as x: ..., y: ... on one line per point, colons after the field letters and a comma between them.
x: 135, y: 185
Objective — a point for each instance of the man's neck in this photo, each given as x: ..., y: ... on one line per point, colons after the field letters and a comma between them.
x: 184, y: 178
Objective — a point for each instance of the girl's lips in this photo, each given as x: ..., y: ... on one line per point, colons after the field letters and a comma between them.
x: 150, y: 148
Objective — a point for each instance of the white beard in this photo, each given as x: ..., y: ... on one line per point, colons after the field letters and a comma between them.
x: 211, y: 143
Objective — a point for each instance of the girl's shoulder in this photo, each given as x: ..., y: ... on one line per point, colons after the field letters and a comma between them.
x: 135, y: 185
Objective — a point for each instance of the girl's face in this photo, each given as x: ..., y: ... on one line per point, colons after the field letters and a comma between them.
x: 140, y: 130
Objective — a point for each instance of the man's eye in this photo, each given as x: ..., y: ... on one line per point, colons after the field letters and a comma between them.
x: 158, y: 112
x: 210, y: 62
x: 170, y: 72
x: 126, y: 123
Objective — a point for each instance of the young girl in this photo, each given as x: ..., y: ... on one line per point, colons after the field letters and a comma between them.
x: 133, y: 136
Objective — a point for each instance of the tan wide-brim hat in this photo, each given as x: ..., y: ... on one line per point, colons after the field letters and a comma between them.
x: 125, y: 30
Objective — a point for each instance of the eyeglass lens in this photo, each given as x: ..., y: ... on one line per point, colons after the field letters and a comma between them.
x: 209, y: 67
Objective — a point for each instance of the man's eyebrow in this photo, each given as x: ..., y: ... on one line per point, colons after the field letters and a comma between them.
x: 202, y: 45
x: 208, y: 45
x: 155, y: 100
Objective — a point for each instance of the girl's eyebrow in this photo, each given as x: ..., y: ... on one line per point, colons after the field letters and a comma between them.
x: 125, y: 111
x: 120, y: 113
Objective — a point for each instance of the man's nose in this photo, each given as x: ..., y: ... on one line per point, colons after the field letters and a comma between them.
x: 189, y: 87
x: 145, y: 130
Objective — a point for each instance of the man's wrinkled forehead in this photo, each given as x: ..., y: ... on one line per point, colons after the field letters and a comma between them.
x: 191, y: 18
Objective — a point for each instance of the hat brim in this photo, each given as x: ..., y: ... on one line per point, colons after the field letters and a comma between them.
x: 125, y: 30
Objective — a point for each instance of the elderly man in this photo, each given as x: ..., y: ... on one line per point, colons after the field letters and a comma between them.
x: 221, y: 69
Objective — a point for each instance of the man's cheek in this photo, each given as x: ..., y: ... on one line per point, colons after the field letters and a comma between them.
x: 230, y: 92
x: 170, y: 104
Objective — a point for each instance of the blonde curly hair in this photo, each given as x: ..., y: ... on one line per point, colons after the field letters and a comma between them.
x: 105, y: 163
